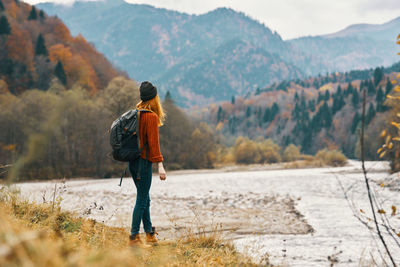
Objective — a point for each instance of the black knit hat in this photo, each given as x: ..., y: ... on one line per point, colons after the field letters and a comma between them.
x: 147, y: 91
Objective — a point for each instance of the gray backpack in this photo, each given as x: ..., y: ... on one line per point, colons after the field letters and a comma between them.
x: 124, y: 137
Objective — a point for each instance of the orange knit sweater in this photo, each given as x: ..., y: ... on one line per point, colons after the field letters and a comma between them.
x: 148, y: 132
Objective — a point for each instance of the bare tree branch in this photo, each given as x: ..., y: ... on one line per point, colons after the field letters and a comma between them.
x: 367, y: 182
x: 385, y: 220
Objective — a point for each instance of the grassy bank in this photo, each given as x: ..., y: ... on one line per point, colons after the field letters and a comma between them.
x: 44, y: 235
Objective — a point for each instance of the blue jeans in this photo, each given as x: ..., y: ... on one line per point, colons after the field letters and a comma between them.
x: 141, y: 212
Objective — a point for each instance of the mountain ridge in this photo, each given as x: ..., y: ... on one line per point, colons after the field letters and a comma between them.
x: 150, y: 43
x: 363, y: 27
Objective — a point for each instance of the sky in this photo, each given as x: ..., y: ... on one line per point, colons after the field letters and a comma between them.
x: 290, y: 18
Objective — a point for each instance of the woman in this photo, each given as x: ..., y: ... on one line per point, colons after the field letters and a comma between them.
x: 151, y: 117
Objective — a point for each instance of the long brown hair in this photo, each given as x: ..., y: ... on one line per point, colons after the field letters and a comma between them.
x: 155, y: 106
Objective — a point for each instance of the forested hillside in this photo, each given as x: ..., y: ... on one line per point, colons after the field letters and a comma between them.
x: 235, y: 68
x: 222, y: 51
x: 58, y: 98
x: 36, y: 48
x: 314, y: 113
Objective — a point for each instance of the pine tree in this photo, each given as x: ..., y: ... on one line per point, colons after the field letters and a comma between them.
x: 336, y: 105
x: 307, y: 142
x: 274, y: 110
x: 315, y: 124
x: 259, y: 116
x: 248, y: 112
x: 316, y: 84
x: 4, y: 26
x: 371, y: 88
x: 362, y: 84
x: 311, y: 105
x: 355, y: 100
x: 40, y: 49
x: 349, y: 89
x: 296, y: 97
x: 389, y: 87
x: 320, y: 97
x: 334, y: 79
x: 327, y: 95
x: 232, y: 124
x: 233, y: 100
x: 326, y: 115
x: 168, y: 96
x: 346, y: 76
x: 266, y: 117
x: 356, y: 120
x: 41, y: 14
x: 370, y: 114
x: 60, y: 73
x: 342, y: 103
x: 296, y: 111
x: 303, y: 103
x: 33, y: 14
x: 1, y: 6
x: 378, y: 75
x: 338, y: 90
x: 380, y: 98
x: 220, y: 114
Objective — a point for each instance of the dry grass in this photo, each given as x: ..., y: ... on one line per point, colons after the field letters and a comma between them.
x: 44, y: 235
x: 333, y: 158
x: 323, y: 158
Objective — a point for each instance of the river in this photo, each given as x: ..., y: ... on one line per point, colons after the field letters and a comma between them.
x: 294, y: 217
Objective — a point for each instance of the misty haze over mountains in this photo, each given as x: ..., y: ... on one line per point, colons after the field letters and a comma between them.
x: 213, y: 56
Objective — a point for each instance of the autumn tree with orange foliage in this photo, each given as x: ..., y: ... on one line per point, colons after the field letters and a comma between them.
x: 391, y: 135
x: 32, y: 44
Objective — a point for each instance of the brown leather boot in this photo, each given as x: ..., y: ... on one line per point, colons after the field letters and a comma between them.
x: 151, y: 237
x: 135, y: 241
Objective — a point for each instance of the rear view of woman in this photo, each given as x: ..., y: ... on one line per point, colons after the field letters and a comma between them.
x: 151, y: 117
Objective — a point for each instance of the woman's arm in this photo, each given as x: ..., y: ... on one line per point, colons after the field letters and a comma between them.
x: 154, y: 145
x: 152, y: 138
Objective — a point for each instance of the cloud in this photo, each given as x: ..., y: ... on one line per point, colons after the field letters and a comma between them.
x: 61, y: 2
x: 392, y: 5
x: 295, y: 18
x: 290, y: 18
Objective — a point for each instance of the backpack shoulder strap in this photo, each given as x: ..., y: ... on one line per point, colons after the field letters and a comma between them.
x: 138, y: 112
x: 144, y: 110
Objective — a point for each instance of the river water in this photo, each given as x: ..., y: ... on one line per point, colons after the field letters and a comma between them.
x: 296, y: 217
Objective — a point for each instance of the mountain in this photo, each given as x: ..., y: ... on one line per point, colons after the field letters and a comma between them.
x: 167, y: 46
x: 195, y: 55
x: 358, y: 46
x: 234, y: 68
x: 146, y: 40
x: 36, y: 48
x: 379, y: 32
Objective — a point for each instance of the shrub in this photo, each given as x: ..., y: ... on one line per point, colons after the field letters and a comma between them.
x: 270, y: 152
x: 331, y: 157
x: 291, y: 153
x: 247, y: 151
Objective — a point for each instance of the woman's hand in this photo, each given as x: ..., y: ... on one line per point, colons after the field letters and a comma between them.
x: 161, y: 171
